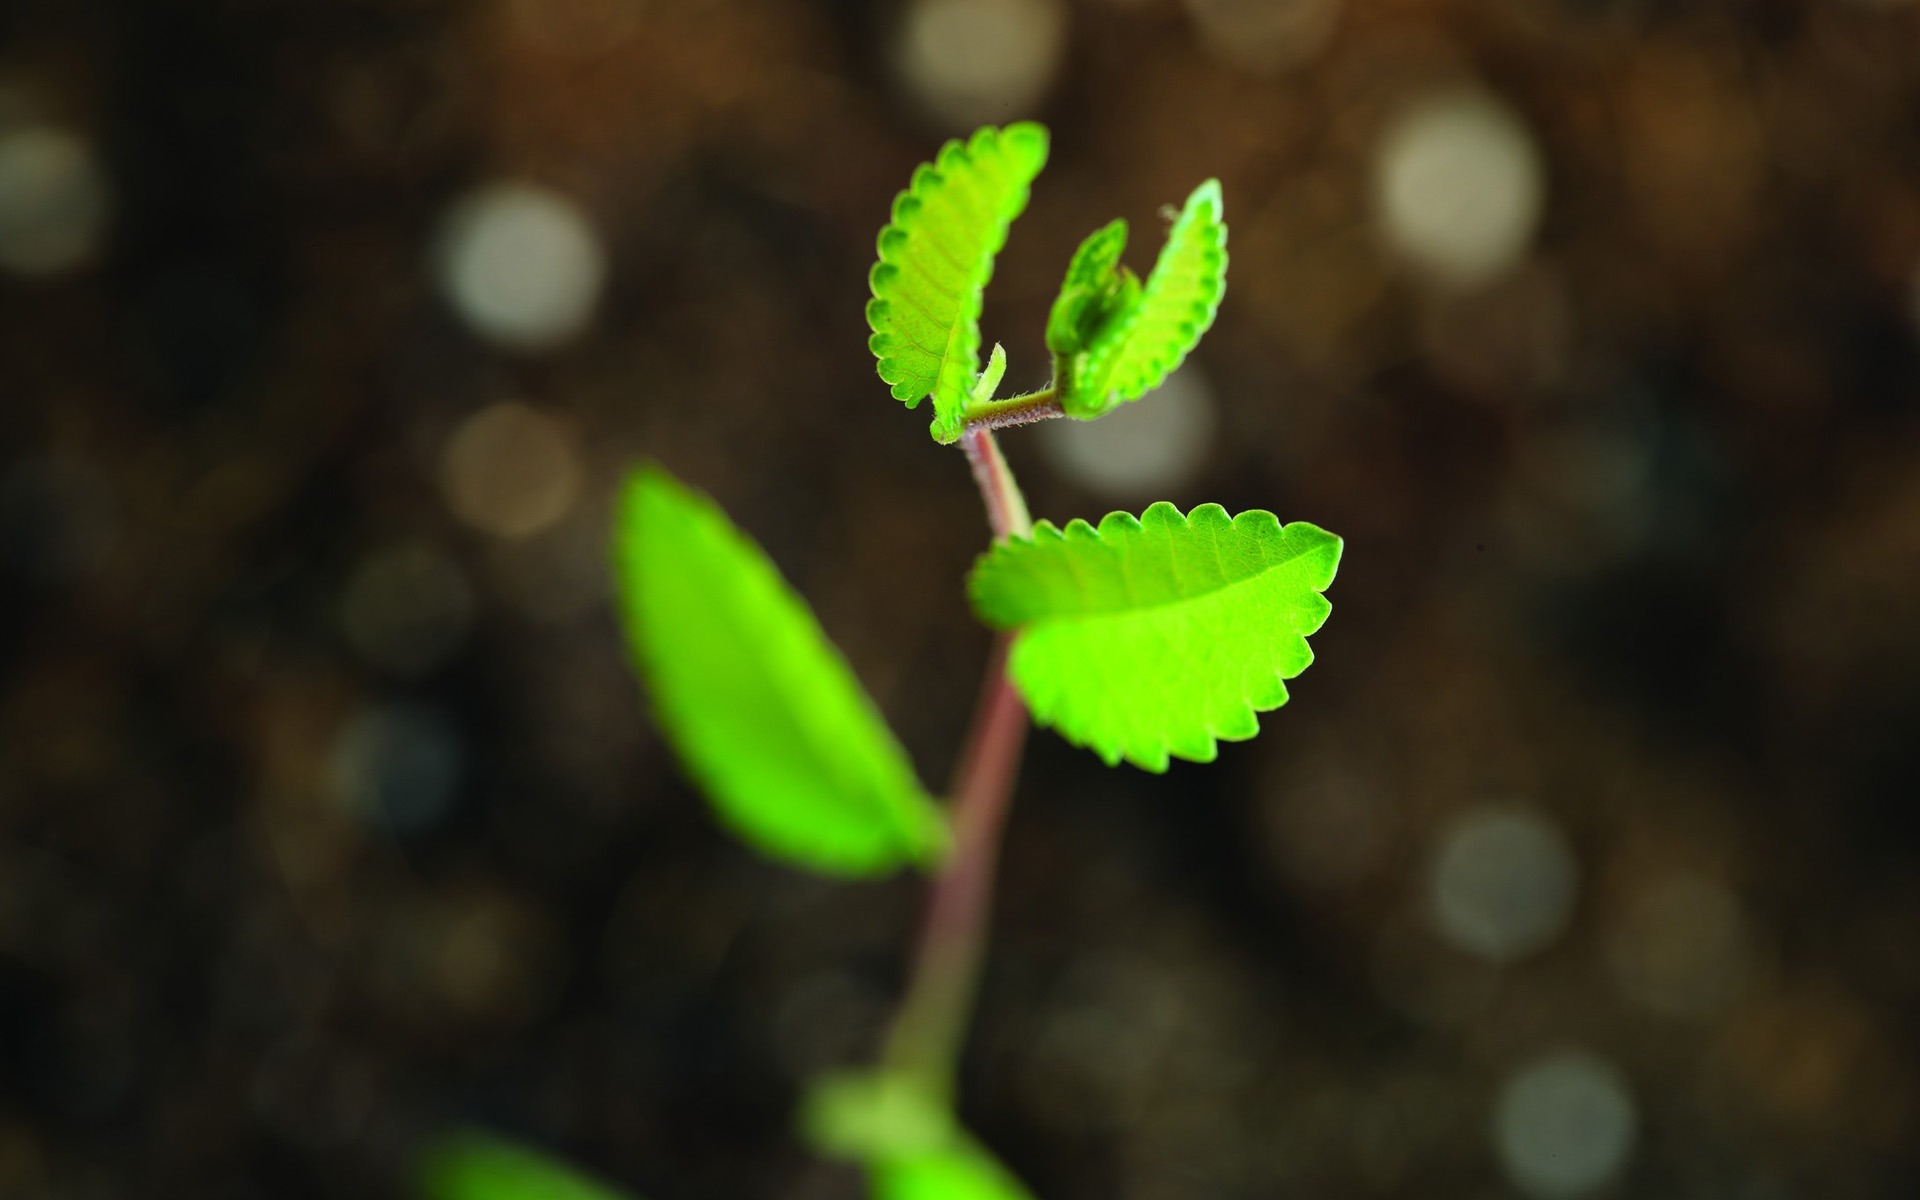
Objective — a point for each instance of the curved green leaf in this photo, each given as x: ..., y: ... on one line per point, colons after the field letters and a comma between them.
x: 476, y: 1166
x: 1092, y: 275
x: 1148, y: 638
x: 1141, y: 339
x: 936, y: 256
x: 765, y: 714
x: 1096, y: 299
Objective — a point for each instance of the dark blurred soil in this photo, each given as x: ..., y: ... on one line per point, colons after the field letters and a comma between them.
x: 291, y: 881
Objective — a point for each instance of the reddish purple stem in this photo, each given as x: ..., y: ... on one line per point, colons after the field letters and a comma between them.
x: 931, y: 1027
x: 928, y: 1034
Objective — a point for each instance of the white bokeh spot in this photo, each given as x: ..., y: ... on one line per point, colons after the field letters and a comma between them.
x: 521, y: 264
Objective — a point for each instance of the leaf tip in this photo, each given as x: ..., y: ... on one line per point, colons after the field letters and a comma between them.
x: 648, y: 487
x: 1030, y: 137
x: 1208, y: 195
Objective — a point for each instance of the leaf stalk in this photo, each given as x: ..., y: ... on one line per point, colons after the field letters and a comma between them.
x: 1014, y: 410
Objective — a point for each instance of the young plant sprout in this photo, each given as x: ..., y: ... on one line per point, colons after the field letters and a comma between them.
x: 1142, y: 639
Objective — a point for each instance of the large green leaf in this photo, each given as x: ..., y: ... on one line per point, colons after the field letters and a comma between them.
x: 1132, y: 338
x: 763, y: 711
x: 936, y: 256
x: 476, y: 1166
x: 1148, y: 638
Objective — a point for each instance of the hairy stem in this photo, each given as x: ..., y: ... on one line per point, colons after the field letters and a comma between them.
x: 930, y: 1029
x: 1006, y: 507
x: 1014, y: 410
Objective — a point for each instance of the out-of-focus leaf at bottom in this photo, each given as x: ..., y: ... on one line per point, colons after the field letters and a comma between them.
x: 477, y: 1166
x: 906, y: 1136
x: 963, y: 1171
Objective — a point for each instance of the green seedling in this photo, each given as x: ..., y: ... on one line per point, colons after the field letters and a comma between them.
x: 1143, y: 639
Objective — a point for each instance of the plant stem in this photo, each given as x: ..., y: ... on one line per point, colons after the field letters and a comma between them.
x: 927, y: 1035
x: 1014, y: 410
x: 1006, y: 507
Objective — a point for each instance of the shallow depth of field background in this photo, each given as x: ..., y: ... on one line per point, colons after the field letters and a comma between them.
x: 1583, y: 861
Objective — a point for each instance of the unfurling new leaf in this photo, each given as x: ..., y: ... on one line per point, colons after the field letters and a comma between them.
x: 1096, y: 299
x: 1114, y: 340
x: 1157, y: 637
x: 764, y: 713
x: 936, y: 256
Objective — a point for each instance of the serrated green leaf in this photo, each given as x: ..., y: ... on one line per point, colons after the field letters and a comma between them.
x: 1145, y: 338
x: 765, y: 714
x: 475, y: 1166
x: 1149, y: 638
x: 936, y: 256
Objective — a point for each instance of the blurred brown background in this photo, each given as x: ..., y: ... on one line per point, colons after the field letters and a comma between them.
x: 1582, y: 863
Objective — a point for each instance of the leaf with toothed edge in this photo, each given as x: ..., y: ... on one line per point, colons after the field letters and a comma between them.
x: 1157, y: 637
x: 1139, y: 334
x: 936, y: 256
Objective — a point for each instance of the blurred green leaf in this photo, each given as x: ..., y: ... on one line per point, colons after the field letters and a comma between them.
x: 963, y: 1171
x: 867, y: 1115
x: 936, y: 256
x: 765, y: 714
x: 476, y: 1166
x: 1156, y: 637
x: 906, y: 1136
